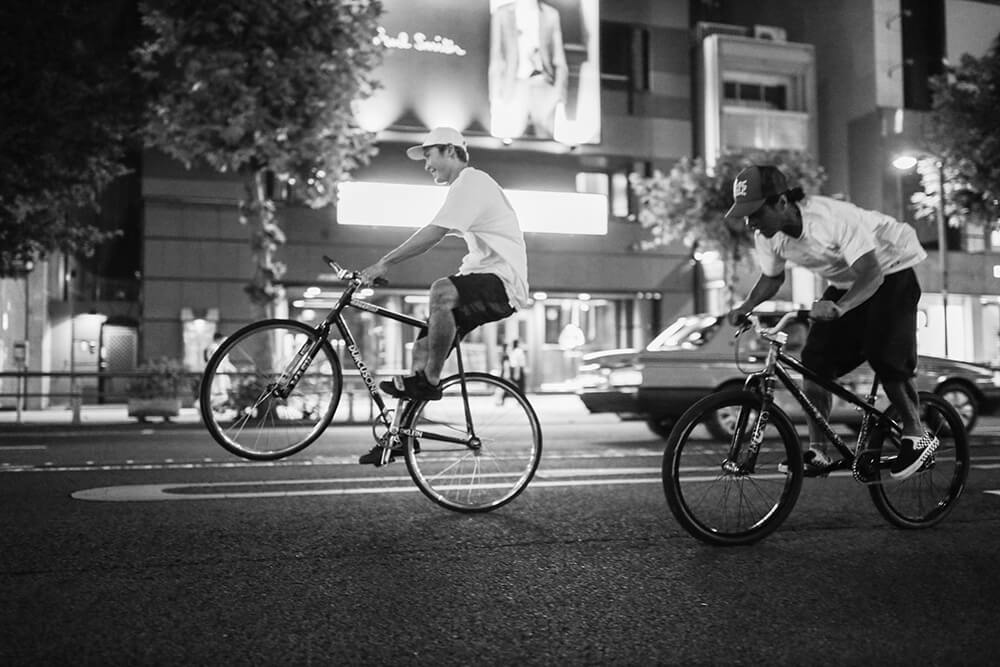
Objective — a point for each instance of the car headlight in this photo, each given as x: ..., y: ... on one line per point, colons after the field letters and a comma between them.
x: 625, y: 377
x: 996, y: 378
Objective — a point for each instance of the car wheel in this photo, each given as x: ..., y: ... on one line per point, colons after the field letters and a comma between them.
x: 722, y: 423
x: 963, y: 400
x: 661, y: 426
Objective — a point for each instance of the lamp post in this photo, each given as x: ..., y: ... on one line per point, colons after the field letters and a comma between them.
x: 905, y: 163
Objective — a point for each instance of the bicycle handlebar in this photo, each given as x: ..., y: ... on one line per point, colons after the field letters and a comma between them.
x: 752, y: 320
x: 349, y: 275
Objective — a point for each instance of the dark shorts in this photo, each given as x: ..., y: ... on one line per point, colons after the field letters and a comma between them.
x: 881, y: 331
x: 482, y: 298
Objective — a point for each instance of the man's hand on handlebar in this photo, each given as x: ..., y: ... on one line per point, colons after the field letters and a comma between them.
x: 738, y: 315
x: 825, y: 311
x: 373, y: 274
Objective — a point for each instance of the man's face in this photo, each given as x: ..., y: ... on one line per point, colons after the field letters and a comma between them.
x: 768, y: 219
x: 439, y: 165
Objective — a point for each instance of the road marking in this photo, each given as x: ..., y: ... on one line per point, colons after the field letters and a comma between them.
x: 23, y: 447
x: 158, y: 492
x: 995, y: 493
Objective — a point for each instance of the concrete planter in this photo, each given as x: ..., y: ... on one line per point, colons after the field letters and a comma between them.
x: 154, y: 407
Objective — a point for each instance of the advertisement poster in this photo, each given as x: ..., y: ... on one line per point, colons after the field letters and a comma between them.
x: 513, y: 69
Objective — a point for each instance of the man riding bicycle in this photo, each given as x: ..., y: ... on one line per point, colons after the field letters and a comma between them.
x: 492, y: 280
x: 867, y: 313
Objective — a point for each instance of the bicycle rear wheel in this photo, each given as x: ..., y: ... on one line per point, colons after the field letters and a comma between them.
x: 489, y: 465
x: 717, y: 488
x: 927, y: 497
x: 239, y: 398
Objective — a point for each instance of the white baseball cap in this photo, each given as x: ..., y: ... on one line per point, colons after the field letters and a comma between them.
x: 437, y: 137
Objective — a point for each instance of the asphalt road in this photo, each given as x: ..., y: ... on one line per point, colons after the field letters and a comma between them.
x: 248, y: 563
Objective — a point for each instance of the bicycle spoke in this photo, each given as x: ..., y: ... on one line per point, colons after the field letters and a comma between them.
x: 493, y: 473
x: 925, y: 498
x: 712, y: 490
x: 239, y: 401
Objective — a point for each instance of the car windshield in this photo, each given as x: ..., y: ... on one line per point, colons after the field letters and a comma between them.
x: 686, y: 333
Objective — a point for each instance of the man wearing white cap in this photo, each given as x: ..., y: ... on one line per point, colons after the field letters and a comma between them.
x: 868, y: 312
x: 492, y: 280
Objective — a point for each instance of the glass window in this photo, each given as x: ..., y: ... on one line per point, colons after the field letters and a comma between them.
x: 686, y: 333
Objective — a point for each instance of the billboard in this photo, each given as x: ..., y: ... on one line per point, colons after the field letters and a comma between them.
x: 514, y: 69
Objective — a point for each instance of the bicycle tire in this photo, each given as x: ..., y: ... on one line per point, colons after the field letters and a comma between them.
x: 463, y: 478
x: 723, y: 507
x: 236, y: 397
x: 926, y: 498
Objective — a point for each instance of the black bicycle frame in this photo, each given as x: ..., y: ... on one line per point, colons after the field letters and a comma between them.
x: 866, y: 406
x: 335, y: 318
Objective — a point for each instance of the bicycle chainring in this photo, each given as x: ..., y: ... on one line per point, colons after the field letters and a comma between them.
x: 865, y: 466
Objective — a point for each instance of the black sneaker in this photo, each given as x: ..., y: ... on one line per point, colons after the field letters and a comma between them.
x: 913, y: 454
x: 374, y: 455
x: 814, y: 462
x: 414, y: 387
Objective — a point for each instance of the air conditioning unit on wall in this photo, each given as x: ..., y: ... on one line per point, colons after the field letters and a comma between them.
x: 770, y: 32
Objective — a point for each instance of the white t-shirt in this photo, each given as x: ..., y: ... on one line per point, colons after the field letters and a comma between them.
x: 477, y: 209
x: 835, y: 234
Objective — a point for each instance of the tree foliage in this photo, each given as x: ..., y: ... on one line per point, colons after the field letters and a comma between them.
x: 66, y: 116
x: 964, y: 132
x: 262, y: 89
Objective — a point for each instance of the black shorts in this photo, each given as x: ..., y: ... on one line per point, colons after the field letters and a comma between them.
x: 881, y: 331
x: 482, y: 298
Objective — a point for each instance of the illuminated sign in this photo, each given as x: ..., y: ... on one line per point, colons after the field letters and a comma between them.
x: 403, y: 205
x: 510, y: 68
x: 402, y: 41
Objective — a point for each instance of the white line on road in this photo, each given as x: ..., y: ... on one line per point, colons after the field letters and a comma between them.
x: 153, y: 492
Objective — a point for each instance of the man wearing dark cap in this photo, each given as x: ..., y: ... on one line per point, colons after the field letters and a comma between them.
x: 867, y: 313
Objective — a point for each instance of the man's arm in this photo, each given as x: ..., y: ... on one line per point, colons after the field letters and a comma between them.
x: 765, y: 288
x: 420, y: 242
x: 869, y: 279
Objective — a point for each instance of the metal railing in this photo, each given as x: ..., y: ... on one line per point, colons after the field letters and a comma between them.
x: 59, y: 388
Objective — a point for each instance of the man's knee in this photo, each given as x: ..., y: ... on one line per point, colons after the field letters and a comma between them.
x: 443, y: 295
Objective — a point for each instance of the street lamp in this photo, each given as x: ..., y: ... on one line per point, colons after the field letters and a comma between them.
x: 905, y: 163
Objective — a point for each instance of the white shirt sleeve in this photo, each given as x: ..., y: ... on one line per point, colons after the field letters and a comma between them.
x: 856, y: 234
x: 462, y: 205
x: 771, y: 264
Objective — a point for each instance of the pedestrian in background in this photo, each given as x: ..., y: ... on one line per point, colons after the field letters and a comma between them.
x: 516, y: 362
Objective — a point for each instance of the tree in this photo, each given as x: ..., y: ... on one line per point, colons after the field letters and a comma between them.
x: 963, y: 131
x: 262, y: 89
x: 67, y: 116
x: 689, y: 203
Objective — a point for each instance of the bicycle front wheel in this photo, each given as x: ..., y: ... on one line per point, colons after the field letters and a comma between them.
x: 247, y: 405
x: 726, y: 490
x: 927, y: 497
x: 475, y: 455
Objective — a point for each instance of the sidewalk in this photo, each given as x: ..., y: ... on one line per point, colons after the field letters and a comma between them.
x: 565, y: 408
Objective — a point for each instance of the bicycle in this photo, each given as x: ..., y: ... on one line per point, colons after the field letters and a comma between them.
x: 271, y: 389
x: 729, y: 491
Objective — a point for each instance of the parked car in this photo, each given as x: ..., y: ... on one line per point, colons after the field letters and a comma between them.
x: 698, y: 354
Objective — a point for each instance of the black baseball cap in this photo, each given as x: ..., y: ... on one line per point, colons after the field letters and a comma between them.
x: 753, y: 186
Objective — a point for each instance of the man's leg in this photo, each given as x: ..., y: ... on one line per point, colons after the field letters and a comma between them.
x: 441, y: 330
x: 903, y: 396
x: 819, y: 397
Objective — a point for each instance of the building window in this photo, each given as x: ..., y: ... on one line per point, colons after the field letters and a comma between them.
x: 923, y: 24
x: 756, y: 94
x: 614, y: 186
x: 624, y: 56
